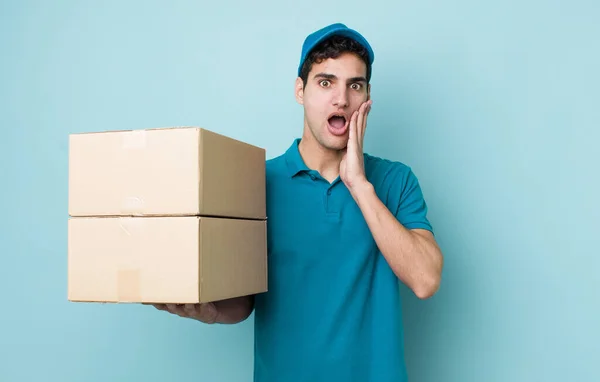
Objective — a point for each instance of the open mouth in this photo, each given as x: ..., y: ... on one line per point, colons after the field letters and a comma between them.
x: 337, y: 124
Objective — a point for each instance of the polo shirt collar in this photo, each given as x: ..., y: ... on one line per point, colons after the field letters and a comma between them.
x: 294, y: 161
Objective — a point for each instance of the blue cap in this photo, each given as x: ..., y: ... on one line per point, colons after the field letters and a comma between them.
x: 337, y: 29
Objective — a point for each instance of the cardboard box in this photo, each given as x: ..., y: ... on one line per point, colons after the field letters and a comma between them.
x: 170, y: 215
x: 165, y: 259
x: 184, y: 171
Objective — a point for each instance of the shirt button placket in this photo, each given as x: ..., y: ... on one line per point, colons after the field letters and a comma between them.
x: 329, y: 205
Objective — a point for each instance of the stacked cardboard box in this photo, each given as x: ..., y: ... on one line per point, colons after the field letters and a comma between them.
x: 172, y: 215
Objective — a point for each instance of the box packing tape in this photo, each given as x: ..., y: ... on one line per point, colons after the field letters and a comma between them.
x: 129, y: 285
x: 133, y: 140
x: 132, y: 205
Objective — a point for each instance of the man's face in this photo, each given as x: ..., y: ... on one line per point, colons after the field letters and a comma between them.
x: 335, y: 88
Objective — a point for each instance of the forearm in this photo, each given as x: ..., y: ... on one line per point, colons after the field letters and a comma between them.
x: 235, y: 310
x: 414, y: 258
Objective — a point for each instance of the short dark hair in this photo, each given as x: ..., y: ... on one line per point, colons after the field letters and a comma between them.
x: 333, y: 47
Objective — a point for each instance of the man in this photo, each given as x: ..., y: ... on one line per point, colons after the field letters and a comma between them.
x: 344, y: 228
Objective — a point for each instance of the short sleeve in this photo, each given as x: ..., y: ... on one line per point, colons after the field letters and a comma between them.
x: 411, y: 209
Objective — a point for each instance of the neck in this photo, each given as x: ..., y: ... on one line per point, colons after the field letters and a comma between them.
x: 318, y: 158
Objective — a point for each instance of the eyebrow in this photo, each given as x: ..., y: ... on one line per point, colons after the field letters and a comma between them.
x: 357, y: 79
x: 328, y: 76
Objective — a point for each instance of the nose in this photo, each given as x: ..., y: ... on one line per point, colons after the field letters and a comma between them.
x: 340, y: 97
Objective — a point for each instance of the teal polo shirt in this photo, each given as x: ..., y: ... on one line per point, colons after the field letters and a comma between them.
x: 332, y: 311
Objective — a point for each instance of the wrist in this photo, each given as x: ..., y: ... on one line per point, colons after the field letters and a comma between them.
x: 361, y: 190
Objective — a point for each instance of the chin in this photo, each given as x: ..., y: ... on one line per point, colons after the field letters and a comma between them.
x: 328, y: 140
x: 336, y: 142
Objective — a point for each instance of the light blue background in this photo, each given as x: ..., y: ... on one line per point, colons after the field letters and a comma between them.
x: 496, y: 106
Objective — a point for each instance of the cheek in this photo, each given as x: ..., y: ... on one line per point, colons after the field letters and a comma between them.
x: 315, y: 106
x: 358, y: 99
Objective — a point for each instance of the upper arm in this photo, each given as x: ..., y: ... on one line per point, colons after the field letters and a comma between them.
x: 411, y: 208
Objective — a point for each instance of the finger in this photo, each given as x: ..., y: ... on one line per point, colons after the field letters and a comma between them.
x: 162, y: 307
x: 190, y: 310
x: 360, y: 118
x: 176, y: 309
x: 208, y: 313
x: 205, y: 312
x: 352, y: 132
x: 361, y: 121
x: 362, y: 138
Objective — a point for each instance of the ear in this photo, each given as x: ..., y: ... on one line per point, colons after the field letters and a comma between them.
x: 299, y: 91
x: 368, y: 92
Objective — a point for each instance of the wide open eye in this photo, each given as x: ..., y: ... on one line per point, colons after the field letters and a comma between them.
x: 324, y: 83
x: 355, y: 86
